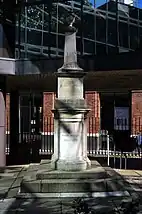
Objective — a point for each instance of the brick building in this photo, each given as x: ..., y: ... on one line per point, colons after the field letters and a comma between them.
x: 108, y: 87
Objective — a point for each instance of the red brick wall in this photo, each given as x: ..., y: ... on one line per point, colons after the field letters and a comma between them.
x: 93, y: 102
x: 48, y: 103
x: 136, y: 111
x: 7, y: 112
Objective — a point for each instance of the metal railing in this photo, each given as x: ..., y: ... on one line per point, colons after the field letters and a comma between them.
x: 100, y: 143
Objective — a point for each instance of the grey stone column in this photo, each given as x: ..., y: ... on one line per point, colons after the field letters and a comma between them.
x: 70, y: 142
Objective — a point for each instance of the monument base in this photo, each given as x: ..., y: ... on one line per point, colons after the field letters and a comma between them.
x: 76, y: 165
x: 66, y: 165
x: 44, y: 180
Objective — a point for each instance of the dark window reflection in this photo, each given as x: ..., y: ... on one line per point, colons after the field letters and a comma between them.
x: 133, y: 37
x: 61, y: 41
x: 111, y: 32
x: 88, y: 47
x: 34, y: 37
x: 49, y: 40
x: 140, y: 39
x: 40, y: 26
x: 101, y: 29
x: 111, y: 50
x: 133, y: 12
x: 46, y: 40
x: 101, y: 49
x: 88, y: 21
x: 123, y: 34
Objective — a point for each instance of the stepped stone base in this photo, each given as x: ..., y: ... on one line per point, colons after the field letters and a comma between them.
x: 42, y: 179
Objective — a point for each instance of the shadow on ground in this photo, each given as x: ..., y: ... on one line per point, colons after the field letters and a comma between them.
x: 106, y: 204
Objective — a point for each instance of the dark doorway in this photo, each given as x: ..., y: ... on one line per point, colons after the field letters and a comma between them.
x: 107, y: 106
x: 115, y: 108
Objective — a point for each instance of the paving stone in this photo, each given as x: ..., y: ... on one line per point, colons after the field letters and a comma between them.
x: 139, y: 172
x: 43, y: 205
x: 9, y: 204
x: 6, y: 182
x: 62, y: 206
x: 127, y: 172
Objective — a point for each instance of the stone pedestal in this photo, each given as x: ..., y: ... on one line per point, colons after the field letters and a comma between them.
x: 70, y: 137
x: 70, y: 141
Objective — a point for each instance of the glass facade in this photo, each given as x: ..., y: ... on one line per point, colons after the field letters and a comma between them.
x: 112, y: 27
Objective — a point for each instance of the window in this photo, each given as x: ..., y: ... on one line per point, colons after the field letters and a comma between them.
x: 133, y: 37
x: 123, y: 34
x: 34, y: 37
x: 112, y: 31
x: 100, y: 29
x: 89, y: 47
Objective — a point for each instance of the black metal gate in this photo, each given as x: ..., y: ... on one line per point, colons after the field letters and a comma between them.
x: 30, y: 127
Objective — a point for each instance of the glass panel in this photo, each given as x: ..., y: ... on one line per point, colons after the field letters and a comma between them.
x: 34, y: 17
x: 49, y: 41
x: 140, y: 38
x: 112, y: 32
x: 35, y: 27
x: 34, y: 37
x: 101, y: 49
x: 133, y: 12
x: 133, y: 37
x: 101, y: 29
x: 88, y: 46
x: 111, y: 50
x: 123, y: 34
x: 88, y: 21
x: 123, y: 10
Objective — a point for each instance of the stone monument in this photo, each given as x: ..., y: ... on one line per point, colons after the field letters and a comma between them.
x: 70, y: 110
x: 69, y: 173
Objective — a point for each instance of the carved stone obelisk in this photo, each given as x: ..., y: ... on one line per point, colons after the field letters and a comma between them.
x: 70, y: 137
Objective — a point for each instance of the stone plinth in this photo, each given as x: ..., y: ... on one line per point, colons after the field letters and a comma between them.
x: 45, y: 182
x: 70, y: 141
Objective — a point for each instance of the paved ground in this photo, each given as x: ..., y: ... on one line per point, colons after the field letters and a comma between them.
x: 11, y: 177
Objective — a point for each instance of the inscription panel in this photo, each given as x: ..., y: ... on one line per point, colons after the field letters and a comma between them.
x: 70, y: 140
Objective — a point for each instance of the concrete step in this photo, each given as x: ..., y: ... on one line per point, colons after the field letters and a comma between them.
x: 93, y: 173
x: 71, y: 185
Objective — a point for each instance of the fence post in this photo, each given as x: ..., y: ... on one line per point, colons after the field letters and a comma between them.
x: 108, y: 157
x: 125, y: 161
x: 114, y: 157
x: 121, y: 160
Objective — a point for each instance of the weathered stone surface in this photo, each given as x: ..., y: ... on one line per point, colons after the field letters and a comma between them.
x: 70, y: 139
x: 98, y: 173
x: 72, y: 185
x: 51, y: 181
x: 31, y: 186
x: 70, y: 105
x: 70, y: 88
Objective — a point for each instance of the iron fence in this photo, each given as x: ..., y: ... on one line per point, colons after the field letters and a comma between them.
x: 104, y: 144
